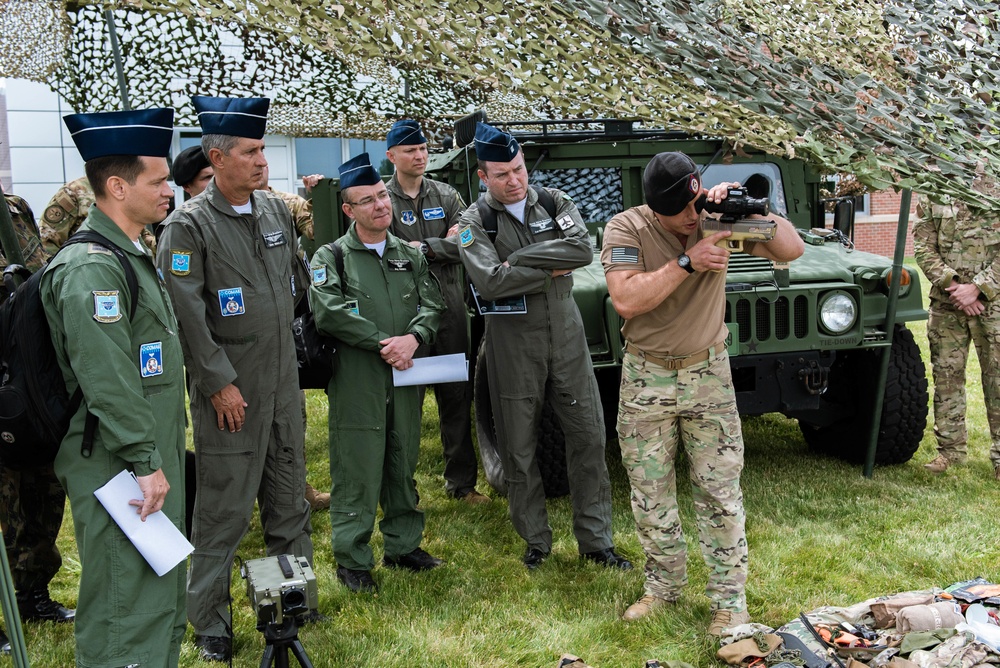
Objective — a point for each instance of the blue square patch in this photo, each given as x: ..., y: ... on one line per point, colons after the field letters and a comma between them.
x: 319, y: 276
x: 151, y: 359
x: 106, y: 306
x: 231, y: 302
x: 180, y: 262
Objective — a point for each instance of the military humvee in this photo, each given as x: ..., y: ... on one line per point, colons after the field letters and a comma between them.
x: 805, y: 339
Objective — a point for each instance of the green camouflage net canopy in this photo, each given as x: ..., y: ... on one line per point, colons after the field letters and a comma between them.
x: 896, y: 94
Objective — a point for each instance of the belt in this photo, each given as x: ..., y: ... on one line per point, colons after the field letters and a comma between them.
x: 675, y: 363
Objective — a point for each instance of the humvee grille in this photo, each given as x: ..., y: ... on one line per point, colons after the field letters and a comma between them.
x: 763, y: 318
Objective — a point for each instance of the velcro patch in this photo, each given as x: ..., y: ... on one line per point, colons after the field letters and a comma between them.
x: 466, y: 236
x: 625, y: 254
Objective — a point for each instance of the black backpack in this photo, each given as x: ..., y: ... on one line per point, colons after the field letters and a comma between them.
x: 35, y: 408
x: 314, y: 351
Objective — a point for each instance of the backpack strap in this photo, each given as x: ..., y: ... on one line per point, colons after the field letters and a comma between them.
x: 338, y: 259
x: 90, y: 236
x: 488, y: 216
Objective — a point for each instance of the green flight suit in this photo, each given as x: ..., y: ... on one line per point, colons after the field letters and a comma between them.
x: 541, y: 355
x: 232, y: 279
x: 427, y: 218
x: 374, y: 427
x: 132, y: 376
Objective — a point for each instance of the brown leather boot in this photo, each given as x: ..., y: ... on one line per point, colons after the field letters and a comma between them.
x: 317, y: 500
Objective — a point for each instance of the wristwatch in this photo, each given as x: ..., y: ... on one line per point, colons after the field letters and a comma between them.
x: 684, y: 262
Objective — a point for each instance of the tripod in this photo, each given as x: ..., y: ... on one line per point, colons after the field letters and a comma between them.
x: 279, y: 638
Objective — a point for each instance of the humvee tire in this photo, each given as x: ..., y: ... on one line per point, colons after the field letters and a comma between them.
x: 852, y: 390
x: 551, y: 451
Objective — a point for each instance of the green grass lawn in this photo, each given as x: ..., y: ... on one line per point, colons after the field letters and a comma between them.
x: 819, y: 534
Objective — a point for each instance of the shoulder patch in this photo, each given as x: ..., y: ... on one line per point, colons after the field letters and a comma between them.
x: 565, y: 222
x: 106, y: 307
x: 180, y: 262
x: 624, y: 254
x: 466, y: 236
x: 567, y: 197
x: 54, y: 214
x: 319, y: 275
x: 97, y: 248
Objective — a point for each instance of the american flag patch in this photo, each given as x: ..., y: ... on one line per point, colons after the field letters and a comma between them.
x: 625, y: 254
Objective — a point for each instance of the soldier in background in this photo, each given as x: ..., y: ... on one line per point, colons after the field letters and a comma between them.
x: 66, y: 212
x: 31, y: 499
x: 425, y: 214
x: 958, y: 249
x: 192, y: 171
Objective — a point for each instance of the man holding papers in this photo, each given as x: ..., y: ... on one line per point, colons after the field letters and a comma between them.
x: 131, y: 373
x: 386, y: 306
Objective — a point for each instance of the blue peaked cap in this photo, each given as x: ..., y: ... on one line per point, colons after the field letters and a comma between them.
x: 140, y: 132
x: 405, y: 132
x: 358, y: 171
x: 234, y: 116
x: 494, y: 145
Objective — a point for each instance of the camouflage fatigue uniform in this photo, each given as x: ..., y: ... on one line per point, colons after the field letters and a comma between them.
x: 301, y: 210
x: 950, y: 242
x: 66, y: 212
x: 31, y: 500
x: 694, y: 407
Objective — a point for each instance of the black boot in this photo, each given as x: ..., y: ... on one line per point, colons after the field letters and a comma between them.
x: 37, y: 606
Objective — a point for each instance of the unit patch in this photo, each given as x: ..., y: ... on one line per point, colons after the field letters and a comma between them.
x: 437, y: 213
x: 466, y: 236
x: 106, y: 307
x: 399, y: 264
x: 566, y: 222
x: 319, y: 275
x: 180, y: 262
x: 151, y: 359
x: 408, y: 217
x: 272, y: 239
x: 231, y: 302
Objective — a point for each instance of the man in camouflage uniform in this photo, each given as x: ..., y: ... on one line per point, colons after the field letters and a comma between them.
x: 959, y: 251
x: 66, y: 212
x: 425, y: 214
x: 31, y: 500
x: 667, y: 281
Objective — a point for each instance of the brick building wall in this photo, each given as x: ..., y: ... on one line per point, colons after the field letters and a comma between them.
x: 875, y: 231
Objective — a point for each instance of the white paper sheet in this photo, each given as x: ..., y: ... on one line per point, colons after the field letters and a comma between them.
x: 157, y: 539
x: 433, y: 370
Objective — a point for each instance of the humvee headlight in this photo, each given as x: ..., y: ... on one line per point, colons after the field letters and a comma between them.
x: 837, y: 312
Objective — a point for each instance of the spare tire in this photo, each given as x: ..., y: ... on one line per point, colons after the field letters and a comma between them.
x: 551, y: 450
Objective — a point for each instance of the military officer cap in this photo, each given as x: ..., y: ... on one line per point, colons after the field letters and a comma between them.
x: 141, y: 132
x: 494, y: 145
x: 234, y: 116
x: 405, y: 132
x: 358, y: 171
x: 188, y: 164
x: 671, y: 181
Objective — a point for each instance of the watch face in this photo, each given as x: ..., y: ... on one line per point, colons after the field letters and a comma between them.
x: 684, y: 262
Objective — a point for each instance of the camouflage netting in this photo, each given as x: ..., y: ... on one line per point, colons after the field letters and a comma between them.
x: 893, y: 94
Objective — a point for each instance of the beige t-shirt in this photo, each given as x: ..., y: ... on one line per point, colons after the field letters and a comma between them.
x: 689, y: 320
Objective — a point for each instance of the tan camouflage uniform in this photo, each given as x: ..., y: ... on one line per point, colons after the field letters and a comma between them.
x: 31, y: 500
x: 950, y: 242
x: 301, y: 210
x: 66, y: 212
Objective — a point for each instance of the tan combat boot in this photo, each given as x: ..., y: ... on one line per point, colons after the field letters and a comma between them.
x: 939, y: 464
x: 644, y: 606
x: 724, y: 619
x: 474, y: 498
x: 317, y: 500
